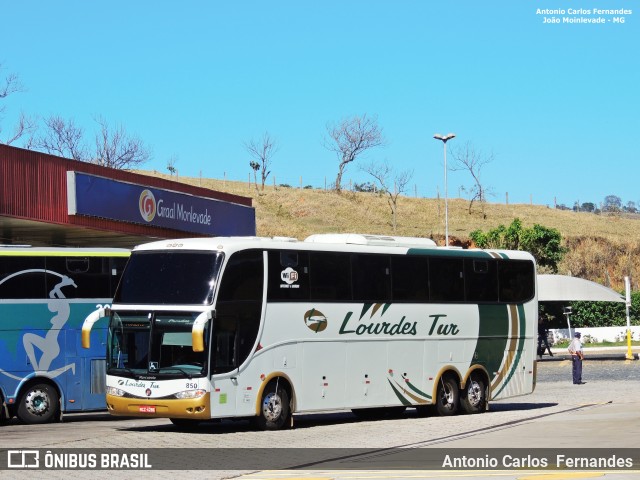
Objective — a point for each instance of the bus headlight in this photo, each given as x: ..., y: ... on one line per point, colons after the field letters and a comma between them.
x: 190, y: 394
x: 116, y: 392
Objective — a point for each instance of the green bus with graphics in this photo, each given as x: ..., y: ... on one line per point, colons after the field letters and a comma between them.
x: 267, y: 328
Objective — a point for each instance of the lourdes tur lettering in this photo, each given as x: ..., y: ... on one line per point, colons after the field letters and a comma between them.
x: 379, y: 328
x: 438, y: 327
x: 451, y: 329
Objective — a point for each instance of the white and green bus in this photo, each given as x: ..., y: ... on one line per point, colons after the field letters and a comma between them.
x: 267, y: 328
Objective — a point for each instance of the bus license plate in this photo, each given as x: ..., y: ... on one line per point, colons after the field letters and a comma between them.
x: 147, y: 409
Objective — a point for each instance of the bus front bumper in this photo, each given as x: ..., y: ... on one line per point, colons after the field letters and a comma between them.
x: 192, y: 408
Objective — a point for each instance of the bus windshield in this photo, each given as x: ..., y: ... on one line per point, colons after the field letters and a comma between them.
x: 144, y: 343
x: 169, y: 278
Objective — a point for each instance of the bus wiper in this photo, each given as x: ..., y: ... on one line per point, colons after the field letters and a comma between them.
x: 130, y: 372
x: 181, y: 370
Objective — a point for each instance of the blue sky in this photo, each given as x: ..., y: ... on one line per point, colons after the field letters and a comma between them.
x: 556, y: 104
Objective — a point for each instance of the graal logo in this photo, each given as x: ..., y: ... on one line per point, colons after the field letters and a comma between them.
x: 23, y: 459
x: 147, y: 205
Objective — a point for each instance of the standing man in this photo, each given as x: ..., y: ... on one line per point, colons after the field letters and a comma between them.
x: 577, y: 355
x: 543, y: 342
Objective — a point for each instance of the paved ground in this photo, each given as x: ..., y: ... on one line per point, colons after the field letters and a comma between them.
x: 603, y: 412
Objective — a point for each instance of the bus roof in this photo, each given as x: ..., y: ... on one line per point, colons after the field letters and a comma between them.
x: 357, y: 243
x: 28, y: 251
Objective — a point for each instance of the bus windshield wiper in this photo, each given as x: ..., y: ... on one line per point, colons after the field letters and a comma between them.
x: 181, y: 370
x: 129, y: 371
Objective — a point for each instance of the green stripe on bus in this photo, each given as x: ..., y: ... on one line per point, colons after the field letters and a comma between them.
x: 399, y: 394
x: 519, y: 349
x: 428, y: 252
x: 493, y: 335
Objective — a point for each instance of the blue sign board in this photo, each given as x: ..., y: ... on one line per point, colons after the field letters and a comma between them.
x: 105, y: 198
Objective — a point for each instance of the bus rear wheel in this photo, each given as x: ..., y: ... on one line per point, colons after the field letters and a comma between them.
x: 39, y: 403
x: 474, y: 396
x: 275, y: 409
x: 447, y: 396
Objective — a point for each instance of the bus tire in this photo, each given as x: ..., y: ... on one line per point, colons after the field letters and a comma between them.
x: 473, y: 398
x: 39, y: 403
x: 447, y: 396
x: 275, y: 409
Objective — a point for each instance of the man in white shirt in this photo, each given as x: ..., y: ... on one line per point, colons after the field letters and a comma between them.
x: 577, y: 355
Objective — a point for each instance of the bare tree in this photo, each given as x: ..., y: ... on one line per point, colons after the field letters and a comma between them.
x: 26, y: 125
x: 171, y: 165
x: 63, y: 138
x: 350, y: 138
x: 116, y: 149
x: 468, y: 158
x: 10, y: 85
x: 385, y: 176
x: 255, y: 166
x: 262, y: 150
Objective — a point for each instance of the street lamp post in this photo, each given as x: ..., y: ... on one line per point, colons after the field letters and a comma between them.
x: 445, y: 139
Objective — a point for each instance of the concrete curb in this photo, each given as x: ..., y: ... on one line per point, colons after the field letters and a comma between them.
x: 557, y: 357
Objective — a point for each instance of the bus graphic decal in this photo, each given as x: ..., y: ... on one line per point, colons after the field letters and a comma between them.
x: 315, y: 320
x: 42, y: 351
x: 401, y: 392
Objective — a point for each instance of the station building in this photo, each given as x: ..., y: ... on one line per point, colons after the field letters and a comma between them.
x: 52, y: 201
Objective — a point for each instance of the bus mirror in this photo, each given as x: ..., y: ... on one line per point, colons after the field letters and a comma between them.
x: 197, y: 332
x: 87, y: 325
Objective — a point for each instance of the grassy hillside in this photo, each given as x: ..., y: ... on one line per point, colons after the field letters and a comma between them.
x: 603, y: 248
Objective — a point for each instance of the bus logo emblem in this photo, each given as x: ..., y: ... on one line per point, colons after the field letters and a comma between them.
x: 147, y: 205
x: 289, y: 275
x: 315, y: 320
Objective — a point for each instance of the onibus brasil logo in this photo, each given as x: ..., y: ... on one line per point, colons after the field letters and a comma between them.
x: 147, y: 205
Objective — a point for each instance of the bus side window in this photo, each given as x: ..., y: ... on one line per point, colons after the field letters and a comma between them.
x: 410, y: 278
x: 329, y: 276
x: 371, y: 278
x: 446, y: 280
x: 242, y: 278
x: 22, y: 277
x: 516, y: 278
x: 288, y: 276
x: 116, y: 267
x: 238, y: 310
x: 481, y: 280
x: 90, y: 279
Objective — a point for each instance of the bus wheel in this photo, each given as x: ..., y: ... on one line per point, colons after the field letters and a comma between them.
x: 474, y: 396
x: 447, y: 396
x: 38, y: 404
x: 275, y: 410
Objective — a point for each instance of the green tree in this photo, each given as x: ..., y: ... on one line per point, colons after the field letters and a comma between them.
x: 605, y: 314
x: 545, y: 244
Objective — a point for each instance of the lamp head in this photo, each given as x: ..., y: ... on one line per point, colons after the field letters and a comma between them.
x: 444, y: 138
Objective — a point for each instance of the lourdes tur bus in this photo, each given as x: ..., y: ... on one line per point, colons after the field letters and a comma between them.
x: 270, y: 327
x: 45, y: 295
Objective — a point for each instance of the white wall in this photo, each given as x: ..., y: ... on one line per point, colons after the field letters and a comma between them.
x: 599, y: 334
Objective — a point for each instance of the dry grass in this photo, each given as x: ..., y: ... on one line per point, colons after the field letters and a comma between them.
x: 602, y: 248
